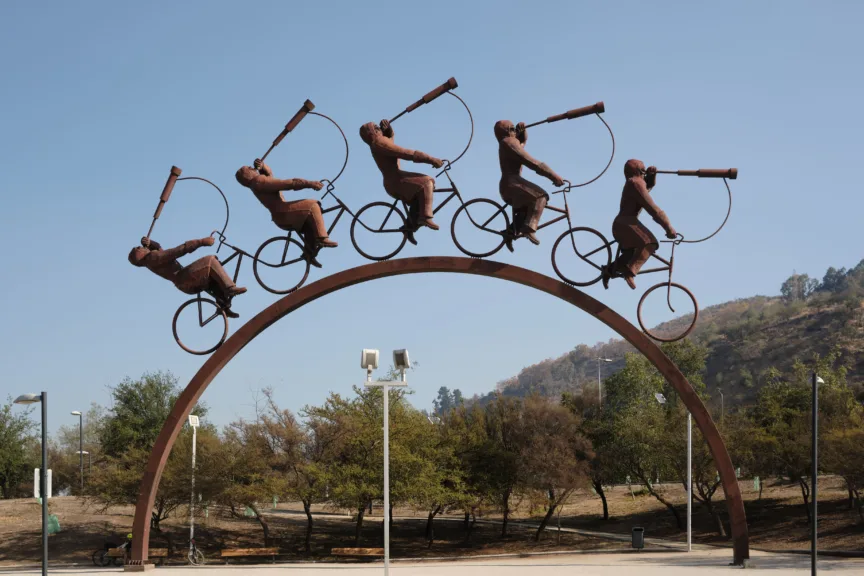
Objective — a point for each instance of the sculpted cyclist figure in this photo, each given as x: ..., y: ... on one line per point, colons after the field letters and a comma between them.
x: 635, y: 239
x: 203, y: 275
x: 527, y: 199
x: 303, y: 216
x: 410, y: 187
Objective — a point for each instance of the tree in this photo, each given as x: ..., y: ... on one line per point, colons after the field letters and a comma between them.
x: 499, y: 463
x: 354, y: 453
x: 782, y: 412
x: 553, y: 453
x: 798, y: 287
x: 447, y: 400
x: 834, y: 280
x: 302, y: 453
x: 16, y: 435
x: 126, y: 436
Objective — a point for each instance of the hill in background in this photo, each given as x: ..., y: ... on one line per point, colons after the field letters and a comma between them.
x: 745, y: 338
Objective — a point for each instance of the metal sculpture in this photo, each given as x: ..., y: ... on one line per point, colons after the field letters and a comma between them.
x: 290, y: 303
x: 593, y: 249
x: 203, y: 275
x: 526, y: 198
x: 636, y: 243
x: 491, y: 217
x: 415, y: 191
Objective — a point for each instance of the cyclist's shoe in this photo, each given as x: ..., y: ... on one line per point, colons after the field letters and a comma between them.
x: 631, y: 282
x: 408, y: 231
x: 230, y: 313
x: 236, y: 291
x: 528, y: 233
x: 605, y: 276
x: 508, y: 241
x: 313, y: 261
x: 326, y: 242
x: 429, y: 223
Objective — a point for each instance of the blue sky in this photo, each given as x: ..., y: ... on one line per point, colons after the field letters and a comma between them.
x: 99, y: 99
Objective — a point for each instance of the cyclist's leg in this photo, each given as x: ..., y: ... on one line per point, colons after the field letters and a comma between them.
x: 417, y: 190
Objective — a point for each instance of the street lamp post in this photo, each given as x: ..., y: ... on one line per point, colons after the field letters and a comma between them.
x: 600, y: 359
x: 814, y: 469
x: 369, y: 361
x: 89, y: 461
x: 43, y: 473
x: 80, y: 446
x: 193, y: 422
x: 662, y: 400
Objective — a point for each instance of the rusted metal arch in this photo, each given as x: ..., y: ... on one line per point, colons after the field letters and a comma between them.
x: 340, y: 280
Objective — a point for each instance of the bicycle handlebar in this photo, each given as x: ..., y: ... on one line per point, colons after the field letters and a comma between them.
x: 730, y: 173
x: 429, y: 97
x: 570, y: 114
x: 307, y: 107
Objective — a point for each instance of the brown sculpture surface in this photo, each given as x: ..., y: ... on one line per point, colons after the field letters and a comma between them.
x: 527, y: 199
x: 413, y: 188
x: 635, y: 239
x: 303, y: 216
x: 203, y: 275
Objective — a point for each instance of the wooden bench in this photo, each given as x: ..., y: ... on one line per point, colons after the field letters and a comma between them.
x: 363, y: 552
x: 160, y: 553
x: 242, y: 552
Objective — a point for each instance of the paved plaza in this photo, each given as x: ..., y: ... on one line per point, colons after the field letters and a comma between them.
x: 701, y: 563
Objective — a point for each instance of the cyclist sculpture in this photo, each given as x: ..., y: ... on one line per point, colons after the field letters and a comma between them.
x: 412, y: 188
x: 526, y: 198
x: 302, y: 216
x: 204, y: 275
x: 636, y: 241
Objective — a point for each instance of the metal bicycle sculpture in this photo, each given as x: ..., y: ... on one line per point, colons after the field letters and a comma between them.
x: 495, y: 220
x: 385, y: 211
x: 602, y: 249
x: 207, y: 309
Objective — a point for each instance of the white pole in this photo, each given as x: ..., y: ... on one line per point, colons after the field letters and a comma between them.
x: 386, y: 389
x: 599, y: 386
x: 689, y: 483
x: 192, y: 497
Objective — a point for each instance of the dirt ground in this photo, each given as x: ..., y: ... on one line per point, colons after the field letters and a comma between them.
x: 777, y: 522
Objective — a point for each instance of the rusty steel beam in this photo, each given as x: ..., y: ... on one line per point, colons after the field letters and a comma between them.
x: 438, y: 264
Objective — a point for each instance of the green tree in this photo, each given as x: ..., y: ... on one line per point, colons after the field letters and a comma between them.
x: 16, y: 436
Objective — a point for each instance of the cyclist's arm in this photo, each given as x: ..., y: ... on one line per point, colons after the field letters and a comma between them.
x: 386, y: 147
x: 646, y: 202
x: 171, y: 254
x: 270, y: 185
x: 527, y: 160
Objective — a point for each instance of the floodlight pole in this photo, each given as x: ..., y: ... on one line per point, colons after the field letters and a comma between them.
x: 385, y: 386
x: 814, y: 480
x: 193, y: 422
x: 689, y: 482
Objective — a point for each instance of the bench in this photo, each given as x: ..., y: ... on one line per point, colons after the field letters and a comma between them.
x: 242, y: 552
x: 160, y: 553
x: 364, y: 552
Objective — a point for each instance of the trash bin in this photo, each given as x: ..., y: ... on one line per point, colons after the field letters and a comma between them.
x: 638, y: 538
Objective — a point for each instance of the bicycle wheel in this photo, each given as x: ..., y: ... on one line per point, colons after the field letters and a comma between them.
x: 284, y: 264
x: 100, y: 558
x: 119, y: 560
x: 581, y: 252
x: 483, y: 229
x: 208, y: 316
x: 195, y: 557
x: 676, y: 301
x: 380, y: 234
